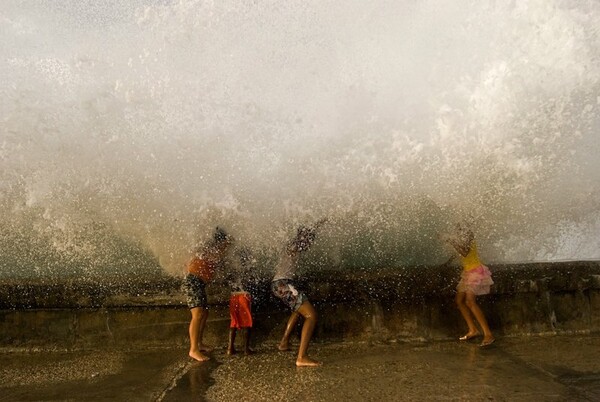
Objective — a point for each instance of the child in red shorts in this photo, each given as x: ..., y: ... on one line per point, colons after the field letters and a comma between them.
x: 240, y: 303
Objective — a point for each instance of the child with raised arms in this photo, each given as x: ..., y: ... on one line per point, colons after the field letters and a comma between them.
x: 476, y: 280
x: 284, y: 288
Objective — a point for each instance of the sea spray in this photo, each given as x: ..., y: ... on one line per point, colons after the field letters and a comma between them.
x: 130, y: 130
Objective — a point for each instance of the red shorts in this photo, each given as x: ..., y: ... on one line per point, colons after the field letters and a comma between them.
x: 240, y: 310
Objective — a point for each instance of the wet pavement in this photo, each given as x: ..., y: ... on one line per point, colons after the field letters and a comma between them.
x: 541, y: 368
x: 93, y: 375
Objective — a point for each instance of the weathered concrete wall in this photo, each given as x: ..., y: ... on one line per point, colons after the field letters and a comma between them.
x: 411, y: 303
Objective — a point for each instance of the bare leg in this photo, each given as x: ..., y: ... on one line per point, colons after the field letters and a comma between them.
x: 466, y: 313
x: 246, y: 333
x: 471, y: 303
x: 195, y: 330
x: 231, y: 345
x: 310, y: 320
x: 201, y: 345
x: 291, y: 324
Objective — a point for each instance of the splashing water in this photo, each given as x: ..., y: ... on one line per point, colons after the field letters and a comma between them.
x: 130, y: 129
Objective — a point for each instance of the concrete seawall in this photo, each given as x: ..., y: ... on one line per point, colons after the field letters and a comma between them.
x: 404, y: 304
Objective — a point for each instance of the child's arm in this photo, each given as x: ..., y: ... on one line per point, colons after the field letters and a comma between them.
x: 448, y: 262
x: 319, y: 223
x: 462, y: 246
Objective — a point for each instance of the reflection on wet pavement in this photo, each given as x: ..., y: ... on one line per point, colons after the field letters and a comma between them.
x: 512, y: 370
x: 552, y: 368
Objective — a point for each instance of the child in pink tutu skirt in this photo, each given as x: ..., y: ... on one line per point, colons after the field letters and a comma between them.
x: 475, y: 280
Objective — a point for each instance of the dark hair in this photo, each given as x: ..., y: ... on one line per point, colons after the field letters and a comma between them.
x: 305, y: 236
x: 220, y: 236
x: 305, y: 233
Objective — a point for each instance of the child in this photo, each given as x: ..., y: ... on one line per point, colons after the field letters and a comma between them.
x: 240, y: 303
x: 283, y: 287
x: 200, y: 271
x: 476, y: 280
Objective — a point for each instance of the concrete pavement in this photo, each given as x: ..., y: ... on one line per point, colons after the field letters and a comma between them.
x: 540, y: 368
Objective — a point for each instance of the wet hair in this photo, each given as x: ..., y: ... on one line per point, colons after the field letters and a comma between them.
x: 305, y: 236
x: 306, y: 233
x: 464, y: 232
x: 220, y: 236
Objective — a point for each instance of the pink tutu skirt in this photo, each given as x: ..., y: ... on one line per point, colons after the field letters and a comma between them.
x: 477, y: 280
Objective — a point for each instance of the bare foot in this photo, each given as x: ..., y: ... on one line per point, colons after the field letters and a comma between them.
x: 487, y: 341
x: 205, y: 348
x: 231, y: 352
x: 283, y: 347
x: 306, y: 362
x: 469, y: 335
x: 197, y: 355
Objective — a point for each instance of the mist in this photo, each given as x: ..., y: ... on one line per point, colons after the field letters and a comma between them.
x: 128, y: 131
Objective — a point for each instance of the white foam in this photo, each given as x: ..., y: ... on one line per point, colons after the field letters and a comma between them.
x: 159, y: 121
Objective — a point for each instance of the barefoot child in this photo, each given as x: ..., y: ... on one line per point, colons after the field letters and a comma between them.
x: 476, y: 280
x: 200, y: 271
x: 240, y: 303
x: 284, y: 288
